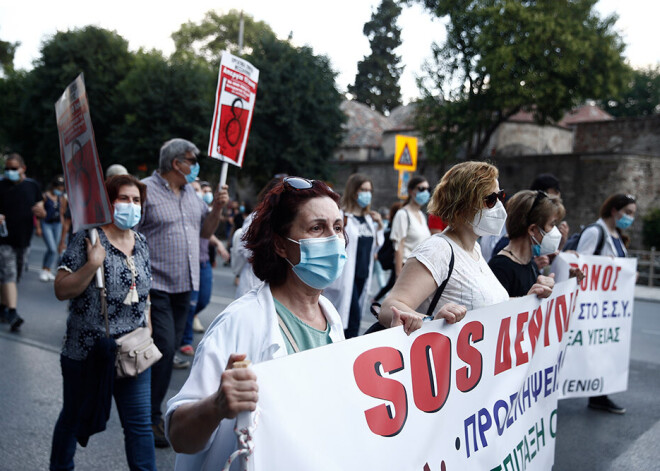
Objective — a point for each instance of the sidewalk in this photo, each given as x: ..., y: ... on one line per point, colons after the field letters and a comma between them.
x: 647, y: 293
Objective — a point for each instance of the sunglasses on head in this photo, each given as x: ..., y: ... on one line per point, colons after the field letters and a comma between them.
x: 298, y: 183
x: 491, y: 200
x: 539, y: 196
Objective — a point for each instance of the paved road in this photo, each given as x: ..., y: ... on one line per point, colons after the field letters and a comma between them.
x: 31, y: 393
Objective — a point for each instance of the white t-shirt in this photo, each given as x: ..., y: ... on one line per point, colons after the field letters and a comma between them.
x: 408, y: 228
x: 472, y: 283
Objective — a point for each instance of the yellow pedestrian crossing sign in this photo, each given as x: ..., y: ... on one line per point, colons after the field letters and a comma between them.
x: 405, y: 155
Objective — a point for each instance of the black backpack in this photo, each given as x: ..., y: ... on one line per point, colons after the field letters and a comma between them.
x: 573, y: 241
x: 386, y: 252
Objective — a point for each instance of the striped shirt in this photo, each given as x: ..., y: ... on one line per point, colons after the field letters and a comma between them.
x: 172, y: 224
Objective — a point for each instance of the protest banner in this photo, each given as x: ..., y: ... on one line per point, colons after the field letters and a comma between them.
x: 479, y: 394
x: 598, y: 354
x: 234, y: 105
x: 88, y: 198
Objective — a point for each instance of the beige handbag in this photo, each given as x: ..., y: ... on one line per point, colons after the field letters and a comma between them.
x: 136, y: 351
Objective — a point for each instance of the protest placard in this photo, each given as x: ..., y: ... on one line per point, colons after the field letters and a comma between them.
x: 234, y: 105
x: 598, y: 355
x: 87, y: 196
x: 405, y: 153
x: 480, y: 394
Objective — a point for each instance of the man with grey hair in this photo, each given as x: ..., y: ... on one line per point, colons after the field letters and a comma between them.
x: 173, y: 221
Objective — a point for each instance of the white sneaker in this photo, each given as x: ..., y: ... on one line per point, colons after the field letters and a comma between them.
x: 43, y: 276
x: 198, y: 326
x: 51, y: 276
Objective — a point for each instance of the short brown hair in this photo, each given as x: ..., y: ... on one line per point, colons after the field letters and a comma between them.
x: 274, y: 216
x: 522, y: 212
x: 114, y: 183
x: 461, y: 191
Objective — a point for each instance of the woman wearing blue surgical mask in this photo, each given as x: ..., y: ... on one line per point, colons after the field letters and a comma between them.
x: 123, y: 255
x: 616, y: 215
x: 606, y: 237
x: 409, y: 228
x: 531, y: 223
x: 364, y: 231
x: 298, y: 249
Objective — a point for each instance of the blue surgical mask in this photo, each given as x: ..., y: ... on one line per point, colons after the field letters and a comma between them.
x: 364, y: 199
x: 57, y: 192
x: 208, y: 197
x: 241, y: 209
x: 12, y: 175
x: 194, y: 172
x: 321, y: 260
x: 624, y: 222
x: 422, y: 197
x: 127, y: 215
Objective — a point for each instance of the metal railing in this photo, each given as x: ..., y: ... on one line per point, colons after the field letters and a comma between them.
x: 648, y: 265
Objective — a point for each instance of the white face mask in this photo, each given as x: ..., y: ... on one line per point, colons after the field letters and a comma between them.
x: 550, y: 242
x: 489, y: 221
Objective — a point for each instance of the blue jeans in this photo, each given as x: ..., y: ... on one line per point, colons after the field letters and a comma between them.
x: 133, y: 400
x: 51, y: 233
x: 198, y: 300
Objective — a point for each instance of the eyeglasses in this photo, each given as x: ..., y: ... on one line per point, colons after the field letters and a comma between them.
x: 422, y: 188
x: 298, y: 183
x: 491, y: 199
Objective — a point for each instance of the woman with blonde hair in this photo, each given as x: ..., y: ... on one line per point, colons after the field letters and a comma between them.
x: 469, y: 199
x: 364, y: 232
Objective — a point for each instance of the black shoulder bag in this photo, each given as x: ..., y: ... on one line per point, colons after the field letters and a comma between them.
x: 377, y: 326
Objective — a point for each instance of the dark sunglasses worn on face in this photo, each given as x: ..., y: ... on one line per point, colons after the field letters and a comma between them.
x: 298, y: 183
x: 422, y: 188
x: 491, y: 199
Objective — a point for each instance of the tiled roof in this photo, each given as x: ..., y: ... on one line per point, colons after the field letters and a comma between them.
x: 402, y: 118
x: 364, y: 127
x: 584, y: 114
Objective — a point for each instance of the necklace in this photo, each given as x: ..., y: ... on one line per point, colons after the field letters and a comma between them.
x: 514, y: 256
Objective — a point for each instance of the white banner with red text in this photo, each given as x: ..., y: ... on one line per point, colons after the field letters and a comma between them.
x: 234, y: 105
x: 480, y: 394
x: 598, y: 354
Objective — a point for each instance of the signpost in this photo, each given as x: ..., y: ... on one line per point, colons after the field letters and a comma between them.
x: 405, y: 161
x: 232, y: 117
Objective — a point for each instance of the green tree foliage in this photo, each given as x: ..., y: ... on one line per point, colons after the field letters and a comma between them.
x: 104, y: 59
x: 640, y: 96
x: 217, y: 33
x: 377, y: 80
x: 7, y: 51
x: 297, y: 120
x: 159, y: 100
x: 503, y: 56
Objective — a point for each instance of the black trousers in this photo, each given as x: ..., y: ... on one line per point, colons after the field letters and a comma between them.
x: 169, y: 312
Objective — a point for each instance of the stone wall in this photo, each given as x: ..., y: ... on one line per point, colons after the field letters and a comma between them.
x: 634, y: 135
x: 515, y: 138
x: 586, y: 181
